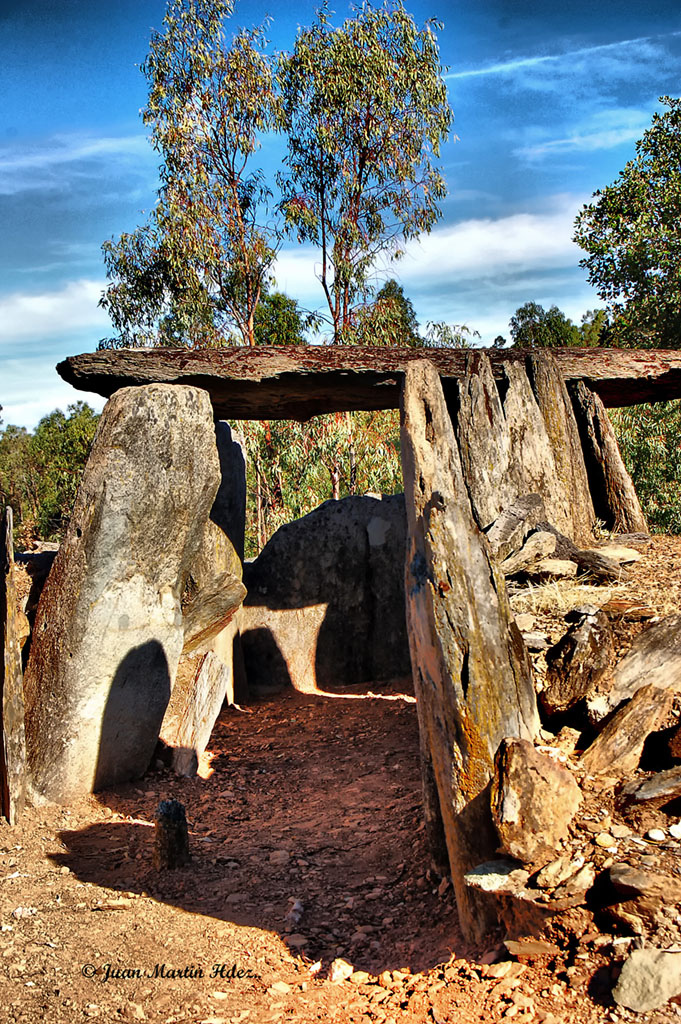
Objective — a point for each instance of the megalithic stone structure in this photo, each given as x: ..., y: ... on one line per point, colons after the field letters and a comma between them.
x: 471, y: 671
x: 108, y: 631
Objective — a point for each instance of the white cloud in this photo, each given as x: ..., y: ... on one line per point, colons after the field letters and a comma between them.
x: 26, y: 316
x: 605, y: 129
x: 24, y: 167
x: 640, y: 45
x: 485, y: 246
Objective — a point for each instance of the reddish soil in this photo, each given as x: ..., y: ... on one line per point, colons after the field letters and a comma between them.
x: 310, y: 798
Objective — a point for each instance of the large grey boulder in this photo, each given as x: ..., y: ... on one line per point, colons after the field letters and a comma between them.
x: 108, y: 631
x: 472, y: 676
x: 325, y: 604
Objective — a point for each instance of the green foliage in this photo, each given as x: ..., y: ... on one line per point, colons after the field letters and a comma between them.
x: 293, y: 467
x: 442, y: 335
x: 196, y: 269
x: 649, y: 437
x: 632, y: 233
x: 532, y: 326
x: 389, y: 320
x: 364, y: 108
x: 279, y: 321
x: 40, y: 472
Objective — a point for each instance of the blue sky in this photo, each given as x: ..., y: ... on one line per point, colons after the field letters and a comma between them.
x: 548, y: 103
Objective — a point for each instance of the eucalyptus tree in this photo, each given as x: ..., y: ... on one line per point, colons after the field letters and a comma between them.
x: 196, y: 269
x: 364, y: 110
x: 632, y: 235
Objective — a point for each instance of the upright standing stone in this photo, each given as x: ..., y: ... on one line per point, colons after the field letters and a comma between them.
x: 555, y: 406
x: 612, y: 490
x: 13, y: 747
x: 516, y: 437
x: 471, y: 671
x: 108, y: 631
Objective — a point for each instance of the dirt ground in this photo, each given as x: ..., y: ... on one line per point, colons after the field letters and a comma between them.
x: 307, y: 846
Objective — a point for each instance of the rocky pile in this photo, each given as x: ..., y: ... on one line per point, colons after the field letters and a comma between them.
x: 587, y: 818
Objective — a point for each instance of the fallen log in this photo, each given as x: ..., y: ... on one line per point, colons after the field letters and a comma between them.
x: 299, y: 381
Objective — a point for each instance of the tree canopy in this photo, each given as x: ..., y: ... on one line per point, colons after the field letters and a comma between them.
x: 632, y: 234
x: 196, y: 269
x: 364, y: 109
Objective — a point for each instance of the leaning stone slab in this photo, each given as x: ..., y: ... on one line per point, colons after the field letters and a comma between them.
x: 12, y: 736
x: 655, y: 657
x: 533, y: 802
x: 577, y: 662
x: 108, y: 631
x: 507, y: 447
x: 508, y: 532
x: 537, y: 546
x: 211, y: 609
x: 619, y: 746
x: 661, y: 787
x: 471, y: 671
x: 615, y: 500
x: 649, y: 978
x: 200, y: 688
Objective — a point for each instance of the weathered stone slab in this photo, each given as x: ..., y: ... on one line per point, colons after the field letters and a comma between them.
x: 199, y: 691
x: 325, y: 602
x: 108, y: 631
x: 654, y: 657
x: 577, y: 662
x: 619, y: 747
x: 300, y: 381
x: 471, y: 671
x: 537, y: 546
x: 533, y: 801
x: 643, y: 897
x: 13, y: 745
x: 507, y: 533
x: 662, y: 787
x: 554, y: 403
x: 612, y: 490
x: 210, y: 610
x: 504, y: 444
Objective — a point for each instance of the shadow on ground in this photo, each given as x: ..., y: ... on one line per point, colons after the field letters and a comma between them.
x: 308, y: 801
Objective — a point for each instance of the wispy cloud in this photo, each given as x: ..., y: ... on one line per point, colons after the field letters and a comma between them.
x: 26, y: 316
x: 605, y: 129
x: 25, y: 167
x: 522, y: 64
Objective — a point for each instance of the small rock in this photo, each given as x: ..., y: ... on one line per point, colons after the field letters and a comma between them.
x: 605, y: 840
x: 649, y: 978
x: 297, y: 941
x: 675, y: 830
x: 555, y: 873
x: 656, y: 835
x: 531, y: 948
x: 278, y: 988
x: 620, y: 831
x: 360, y: 977
x: 20, y: 912
x: 279, y: 857
x: 340, y: 970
